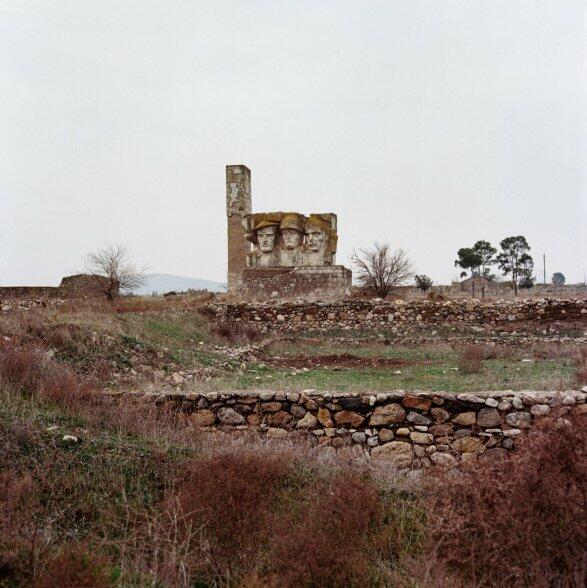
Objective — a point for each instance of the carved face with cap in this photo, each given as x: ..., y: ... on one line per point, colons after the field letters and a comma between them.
x: 316, y: 234
x: 292, y: 231
x: 265, y: 234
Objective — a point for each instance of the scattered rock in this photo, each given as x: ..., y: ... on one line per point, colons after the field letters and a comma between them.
x: 520, y: 420
x: 203, y: 418
x: 468, y: 445
x: 540, y: 409
x: 397, y: 454
x: 309, y: 421
x: 418, y: 419
x: 444, y: 460
x: 347, y: 417
x: 418, y: 402
x: 388, y: 414
x: 465, y: 419
x: 422, y: 438
x: 229, y: 416
x: 276, y: 433
x: 324, y: 417
x: 440, y: 415
x: 489, y: 418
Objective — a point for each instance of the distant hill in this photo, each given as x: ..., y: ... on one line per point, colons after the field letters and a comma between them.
x: 161, y: 283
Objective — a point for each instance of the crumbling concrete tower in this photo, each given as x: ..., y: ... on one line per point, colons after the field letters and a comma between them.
x: 238, y: 204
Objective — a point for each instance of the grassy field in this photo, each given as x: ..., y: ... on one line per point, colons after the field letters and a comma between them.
x: 153, y: 343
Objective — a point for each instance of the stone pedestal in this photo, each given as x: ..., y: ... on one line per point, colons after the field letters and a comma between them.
x: 292, y: 283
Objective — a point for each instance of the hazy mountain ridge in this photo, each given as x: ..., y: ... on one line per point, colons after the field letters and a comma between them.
x: 161, y: 283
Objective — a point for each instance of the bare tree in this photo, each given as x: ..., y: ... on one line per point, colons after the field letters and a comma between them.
x: 380, y: 270
x: 114, y: 270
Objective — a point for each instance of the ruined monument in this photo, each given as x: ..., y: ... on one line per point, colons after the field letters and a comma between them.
x: 284, y: 255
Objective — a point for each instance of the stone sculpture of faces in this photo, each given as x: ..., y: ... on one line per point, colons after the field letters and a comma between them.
x: 292, y: 239
x: 316, y: 238
x: 292, y: 231
x: 317, y: 235
x: 266, y: 239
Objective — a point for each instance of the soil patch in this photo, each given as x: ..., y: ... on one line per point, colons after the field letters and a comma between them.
x: 336, y: 360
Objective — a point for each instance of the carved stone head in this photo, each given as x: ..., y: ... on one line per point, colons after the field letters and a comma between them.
x: 292, y: 231
x: 266, y: 238
x: 317, y: 233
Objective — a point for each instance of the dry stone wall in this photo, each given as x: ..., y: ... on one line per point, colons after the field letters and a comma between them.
x: 416, y: 429
x: 374, y: 314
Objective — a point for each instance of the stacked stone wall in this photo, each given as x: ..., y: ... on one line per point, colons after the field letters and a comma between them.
x: 372, y: 314
x: 416, y: 429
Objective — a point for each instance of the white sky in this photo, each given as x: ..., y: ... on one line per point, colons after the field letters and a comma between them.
x: 428, y: 123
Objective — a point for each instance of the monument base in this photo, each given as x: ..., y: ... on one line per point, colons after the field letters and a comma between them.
x: 295, y: 283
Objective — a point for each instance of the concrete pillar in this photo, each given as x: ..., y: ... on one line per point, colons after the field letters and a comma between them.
x: 238, y: 204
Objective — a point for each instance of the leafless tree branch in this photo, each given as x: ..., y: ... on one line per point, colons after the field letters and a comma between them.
x: 380, y: 270
x: 113, y: 263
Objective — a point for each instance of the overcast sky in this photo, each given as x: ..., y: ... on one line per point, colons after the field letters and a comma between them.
x: 427, y: 123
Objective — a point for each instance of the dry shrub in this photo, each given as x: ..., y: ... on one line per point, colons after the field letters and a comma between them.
x: 19, y: 510
x: 28, y: 370
x: 581, y: 374
x: 518, y: 521
x: 226, y: 500
x: 471, y: 359
x: 237, y: 333
x: 74, y: 567
x: 329, y: 544
x: 263, y: 518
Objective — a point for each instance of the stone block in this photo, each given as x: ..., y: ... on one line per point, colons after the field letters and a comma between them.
x: 398, y: 454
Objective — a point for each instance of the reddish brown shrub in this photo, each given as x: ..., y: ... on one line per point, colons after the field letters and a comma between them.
x: 75, y: 567
x: 226, y: 501
x: 28, y: 370
x: 470, y: 361
x: 329, y: 542
x: 518, y: 521
x: 18, y: 515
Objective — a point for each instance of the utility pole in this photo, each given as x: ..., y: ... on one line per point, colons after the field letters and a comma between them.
x: 544, y: 266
